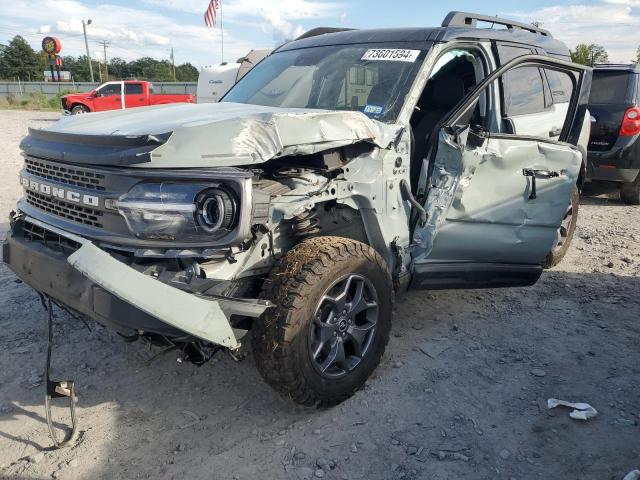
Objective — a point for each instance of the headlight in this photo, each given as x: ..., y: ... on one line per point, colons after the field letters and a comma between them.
x: 179, y: 211
x: 215, y: 209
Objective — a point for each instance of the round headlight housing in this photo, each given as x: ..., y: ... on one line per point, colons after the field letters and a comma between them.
x: 215, y: 210
x: 189, y: 212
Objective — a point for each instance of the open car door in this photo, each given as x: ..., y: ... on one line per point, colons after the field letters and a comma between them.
x: 495, y: 201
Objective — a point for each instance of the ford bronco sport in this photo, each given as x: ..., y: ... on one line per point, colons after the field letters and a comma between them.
x: 344, y: 168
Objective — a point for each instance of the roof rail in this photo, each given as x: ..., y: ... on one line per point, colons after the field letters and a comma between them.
x: 314, y: 32
x: 464, y: 19
x: 615, y: 65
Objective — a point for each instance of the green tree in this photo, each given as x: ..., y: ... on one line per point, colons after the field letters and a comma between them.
x: 79, y: 68
x: 186, y: 73
x: 589, y: 54
x: 118, y: 68
x: 637, y: 59
x: 20, y: 61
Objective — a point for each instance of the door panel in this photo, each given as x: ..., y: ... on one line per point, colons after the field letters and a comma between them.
x: 547, y: 124
x: 109, y: 97
x: 498, y: 199
x: 491, y: 217
x: 134, y: 95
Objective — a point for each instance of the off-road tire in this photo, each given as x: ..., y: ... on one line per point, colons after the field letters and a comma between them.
x: 630, y: 192
x: 280, y: 338
x: 79, y: 109
x: 558, y: 252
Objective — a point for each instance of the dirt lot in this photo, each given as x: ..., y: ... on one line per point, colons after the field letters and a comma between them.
x: 461, y: 392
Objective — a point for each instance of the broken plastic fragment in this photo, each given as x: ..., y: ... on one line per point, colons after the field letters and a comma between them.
x: 635, y: 475
x: 581, y: 411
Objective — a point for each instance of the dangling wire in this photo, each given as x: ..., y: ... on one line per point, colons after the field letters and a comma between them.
x: 59, y: 389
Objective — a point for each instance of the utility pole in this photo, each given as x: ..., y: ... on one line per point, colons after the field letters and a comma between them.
x: 173, y: 65
x: 105, y: 44
x: 86, y: 44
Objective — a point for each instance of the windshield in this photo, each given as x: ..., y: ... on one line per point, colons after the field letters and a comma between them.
x: 360, y: 78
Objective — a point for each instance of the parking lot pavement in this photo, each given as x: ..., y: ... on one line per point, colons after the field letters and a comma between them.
x: 461, y: 393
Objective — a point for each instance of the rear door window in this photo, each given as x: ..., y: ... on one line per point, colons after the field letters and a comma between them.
x: 133, y: 89
x: 524, y: 93
x: 610, y: 87
x: 561, y: 86
x: 524, y: 88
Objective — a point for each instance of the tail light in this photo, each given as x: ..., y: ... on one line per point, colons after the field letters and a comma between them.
x: 630, y: 123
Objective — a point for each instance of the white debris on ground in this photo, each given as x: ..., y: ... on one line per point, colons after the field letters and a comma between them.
x: 581, y: 411
x: 461, y: 392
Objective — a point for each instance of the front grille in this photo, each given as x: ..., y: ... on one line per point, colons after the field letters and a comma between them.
x: 77, y: 213
x: 49, y: 239
x: 66, y: 174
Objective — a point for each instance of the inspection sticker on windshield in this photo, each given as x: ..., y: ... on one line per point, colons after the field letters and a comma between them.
x: 374, y: 109
x: 391, y: 55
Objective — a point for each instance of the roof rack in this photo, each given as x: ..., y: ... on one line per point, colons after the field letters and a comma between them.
x: 314, y: 32
x: 464, y: 19
x: 615, y: 65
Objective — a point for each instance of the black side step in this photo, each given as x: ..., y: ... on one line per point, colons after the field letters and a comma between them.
x: 445, y: 276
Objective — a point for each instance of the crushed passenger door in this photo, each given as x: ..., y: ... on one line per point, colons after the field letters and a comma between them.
x: 497, y: 199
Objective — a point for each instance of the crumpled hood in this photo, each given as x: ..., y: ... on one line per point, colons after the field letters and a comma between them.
x: 231, y: 134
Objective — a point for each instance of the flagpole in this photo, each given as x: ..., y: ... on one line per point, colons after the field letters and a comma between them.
x: 221, y: 30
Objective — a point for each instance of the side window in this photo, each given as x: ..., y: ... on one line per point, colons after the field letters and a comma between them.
x: 133, y: 89
x: 561, y: 86
x: 524, y: 92
x: 526, y: 80
x: 110, y: 89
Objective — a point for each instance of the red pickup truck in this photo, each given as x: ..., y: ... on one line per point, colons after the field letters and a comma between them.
x: 119, y: 95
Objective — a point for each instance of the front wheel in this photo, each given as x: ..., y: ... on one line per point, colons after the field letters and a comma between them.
x: 79, y: 109
x: 330, y: 324
x: 565, y: 232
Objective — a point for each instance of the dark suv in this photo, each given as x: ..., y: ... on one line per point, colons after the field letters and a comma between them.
x: 614, y: 150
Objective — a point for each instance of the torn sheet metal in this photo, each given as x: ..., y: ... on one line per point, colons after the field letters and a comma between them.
x: 230, y: 134
x: 202, y: 318
x: 479, y: 191
x: 581, y: 411
x: 450, y: 176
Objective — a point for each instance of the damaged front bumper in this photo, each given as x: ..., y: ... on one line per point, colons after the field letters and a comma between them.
x: 94, y: 283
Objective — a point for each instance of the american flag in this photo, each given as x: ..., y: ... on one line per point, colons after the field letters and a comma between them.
x: 211, y: 14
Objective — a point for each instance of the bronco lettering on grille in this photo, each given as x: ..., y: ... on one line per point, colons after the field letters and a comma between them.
x: 62, y: 193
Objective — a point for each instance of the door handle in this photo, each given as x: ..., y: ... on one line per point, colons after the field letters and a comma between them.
x: 555, y: 132
x: 542, y: 173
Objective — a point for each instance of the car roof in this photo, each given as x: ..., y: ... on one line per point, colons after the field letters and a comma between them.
x: 616, y: 67
x: 429, y: 35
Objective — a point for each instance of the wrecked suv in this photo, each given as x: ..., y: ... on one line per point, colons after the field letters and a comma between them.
x: 344, y: 168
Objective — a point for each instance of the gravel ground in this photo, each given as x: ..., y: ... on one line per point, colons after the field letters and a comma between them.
x: 461, y: 392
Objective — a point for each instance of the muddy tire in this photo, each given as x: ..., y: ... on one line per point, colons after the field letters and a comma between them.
x: 79, y: 109
x: 565, y: 232
x: 630, y: 192
x: 330, y: 323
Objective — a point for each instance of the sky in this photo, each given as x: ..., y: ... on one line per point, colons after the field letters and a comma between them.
x: 136, y: 28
